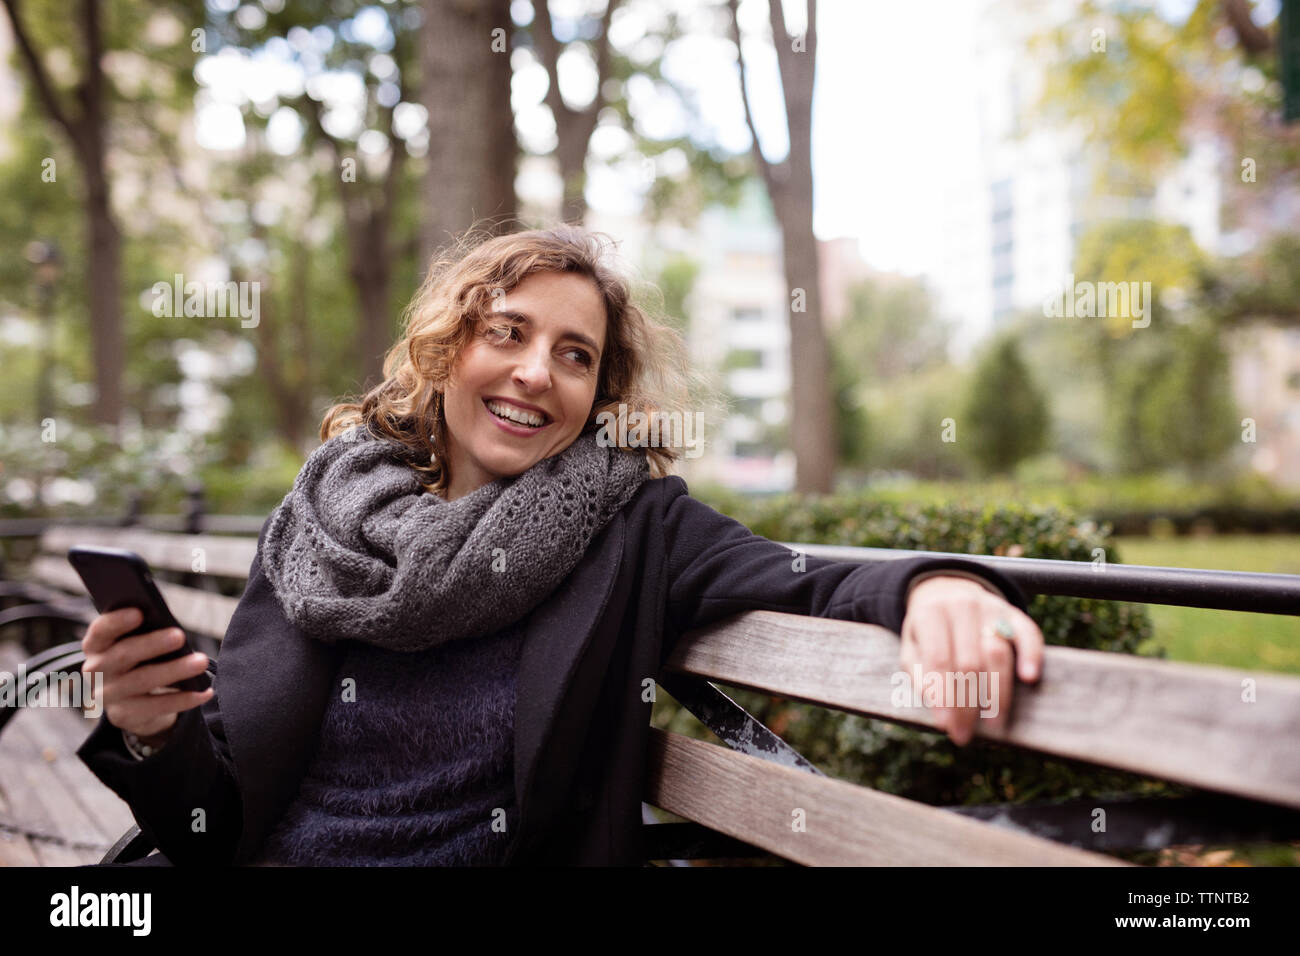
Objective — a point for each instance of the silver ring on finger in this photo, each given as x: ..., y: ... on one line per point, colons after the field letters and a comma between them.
x: 1001, y: 628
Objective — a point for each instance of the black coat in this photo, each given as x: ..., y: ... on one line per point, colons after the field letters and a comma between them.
x: 665, y: 564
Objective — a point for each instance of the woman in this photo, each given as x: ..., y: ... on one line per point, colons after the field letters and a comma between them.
x: 442, y: 650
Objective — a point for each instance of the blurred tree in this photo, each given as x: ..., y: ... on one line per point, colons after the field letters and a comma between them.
x: 1192, y: 417
x: 676, y: 280
x: 465, y: 73
x: 1145, y: 81
x: 47, y: 211
x: 790, y: 187
x: 696, y: 173
x: 1076, y: 397
x: 358, y: 106
x: 82, y: 109
x: 1261, y: 286
x: 1166, y: 385
x: 573, y: 126
x: 907, y: 424
x: 890, y: 330
x: 1005, y: 416
x: 852, y: 420
x: 1173, y: 404
x: 1134, y: 250
x: 1133, y: 448
x: 1163, y: 78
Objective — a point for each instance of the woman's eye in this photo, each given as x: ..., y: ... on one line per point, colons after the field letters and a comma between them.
x: 501, y: 334
x: 583, y: 356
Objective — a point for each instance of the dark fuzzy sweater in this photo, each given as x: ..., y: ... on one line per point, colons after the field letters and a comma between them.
x: 415, y: 770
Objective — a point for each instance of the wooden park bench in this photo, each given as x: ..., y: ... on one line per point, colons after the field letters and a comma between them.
x: 757, y: 797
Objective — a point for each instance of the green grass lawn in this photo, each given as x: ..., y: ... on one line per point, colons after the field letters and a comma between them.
x: 1229, y: 638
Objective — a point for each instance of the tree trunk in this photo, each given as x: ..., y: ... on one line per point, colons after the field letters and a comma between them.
x: 289, y: 395
x: 105, y: 246
x: 296, y: 424
x: 573, y: 127
x: 85, y: 130
x: 790, y: 186
x: 104, y: 285
x: 374, y: 335
x: 812, y: 413
x: 465, y: 86
x: 571, y: 152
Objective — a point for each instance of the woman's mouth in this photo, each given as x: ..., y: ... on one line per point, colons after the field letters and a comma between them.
x: 516, y: 420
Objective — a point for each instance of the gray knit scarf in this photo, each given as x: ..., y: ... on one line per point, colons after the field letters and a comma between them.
x: 357, y: 550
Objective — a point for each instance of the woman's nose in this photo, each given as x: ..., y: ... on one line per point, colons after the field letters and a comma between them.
x: 533, y: 371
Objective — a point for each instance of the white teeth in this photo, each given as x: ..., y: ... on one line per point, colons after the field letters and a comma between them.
x: 516, y: 414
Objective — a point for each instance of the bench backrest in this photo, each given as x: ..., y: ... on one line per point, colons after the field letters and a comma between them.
x: 1220, y: 729
x: 197, y: 610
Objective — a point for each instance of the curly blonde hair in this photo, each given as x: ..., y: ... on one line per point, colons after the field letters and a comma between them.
x: 644, y: 366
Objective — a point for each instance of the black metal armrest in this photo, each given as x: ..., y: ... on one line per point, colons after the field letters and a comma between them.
x: 72, y: 611
x: 130, y: 846
x: 53, y: 660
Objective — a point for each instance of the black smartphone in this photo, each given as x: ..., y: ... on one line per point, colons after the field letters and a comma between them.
x: 116, y: 579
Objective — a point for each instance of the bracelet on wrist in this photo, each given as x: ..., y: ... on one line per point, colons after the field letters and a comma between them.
x: 138, y: 746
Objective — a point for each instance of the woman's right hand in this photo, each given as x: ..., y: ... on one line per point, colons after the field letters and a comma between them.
x: 139, y: 699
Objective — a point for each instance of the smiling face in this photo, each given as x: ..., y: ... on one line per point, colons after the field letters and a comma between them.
x: 523, y: 388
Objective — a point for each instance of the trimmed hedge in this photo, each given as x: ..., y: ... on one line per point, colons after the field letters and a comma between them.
x: 1130, y: 504
x: 921, y: 764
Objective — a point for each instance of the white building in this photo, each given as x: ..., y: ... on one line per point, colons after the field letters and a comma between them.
x: 739, y: 327
x: 736, y: 309
x: 1015, y: 214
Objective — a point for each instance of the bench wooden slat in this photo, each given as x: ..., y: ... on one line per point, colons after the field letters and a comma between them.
x: 1182, y: 722
x: 37, y: 798
x: 15, y: 848
x: 757, y: 801
x: 198, y: 611
x: 225, y: 556
x: 62, y: 730
x: 65, y: 730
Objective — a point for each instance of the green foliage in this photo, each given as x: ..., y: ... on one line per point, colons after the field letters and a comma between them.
x: 922, y: 764
x: 1131, y: 504
x: 1166, y: 386
x: 676, y: 279
x: 255, y: 489
x: 1179, y: 407
x: 907, y: 425
x: 1136, y: 78
x: 1134, y: 250
x: 852, y: 419
x: 742, y: 359
x: 890, y: 330
x: 890, y: 380
x: 88, y: 472
x: 1006, y: 414
x: 1158, y: 78
x: 1264, y: 284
